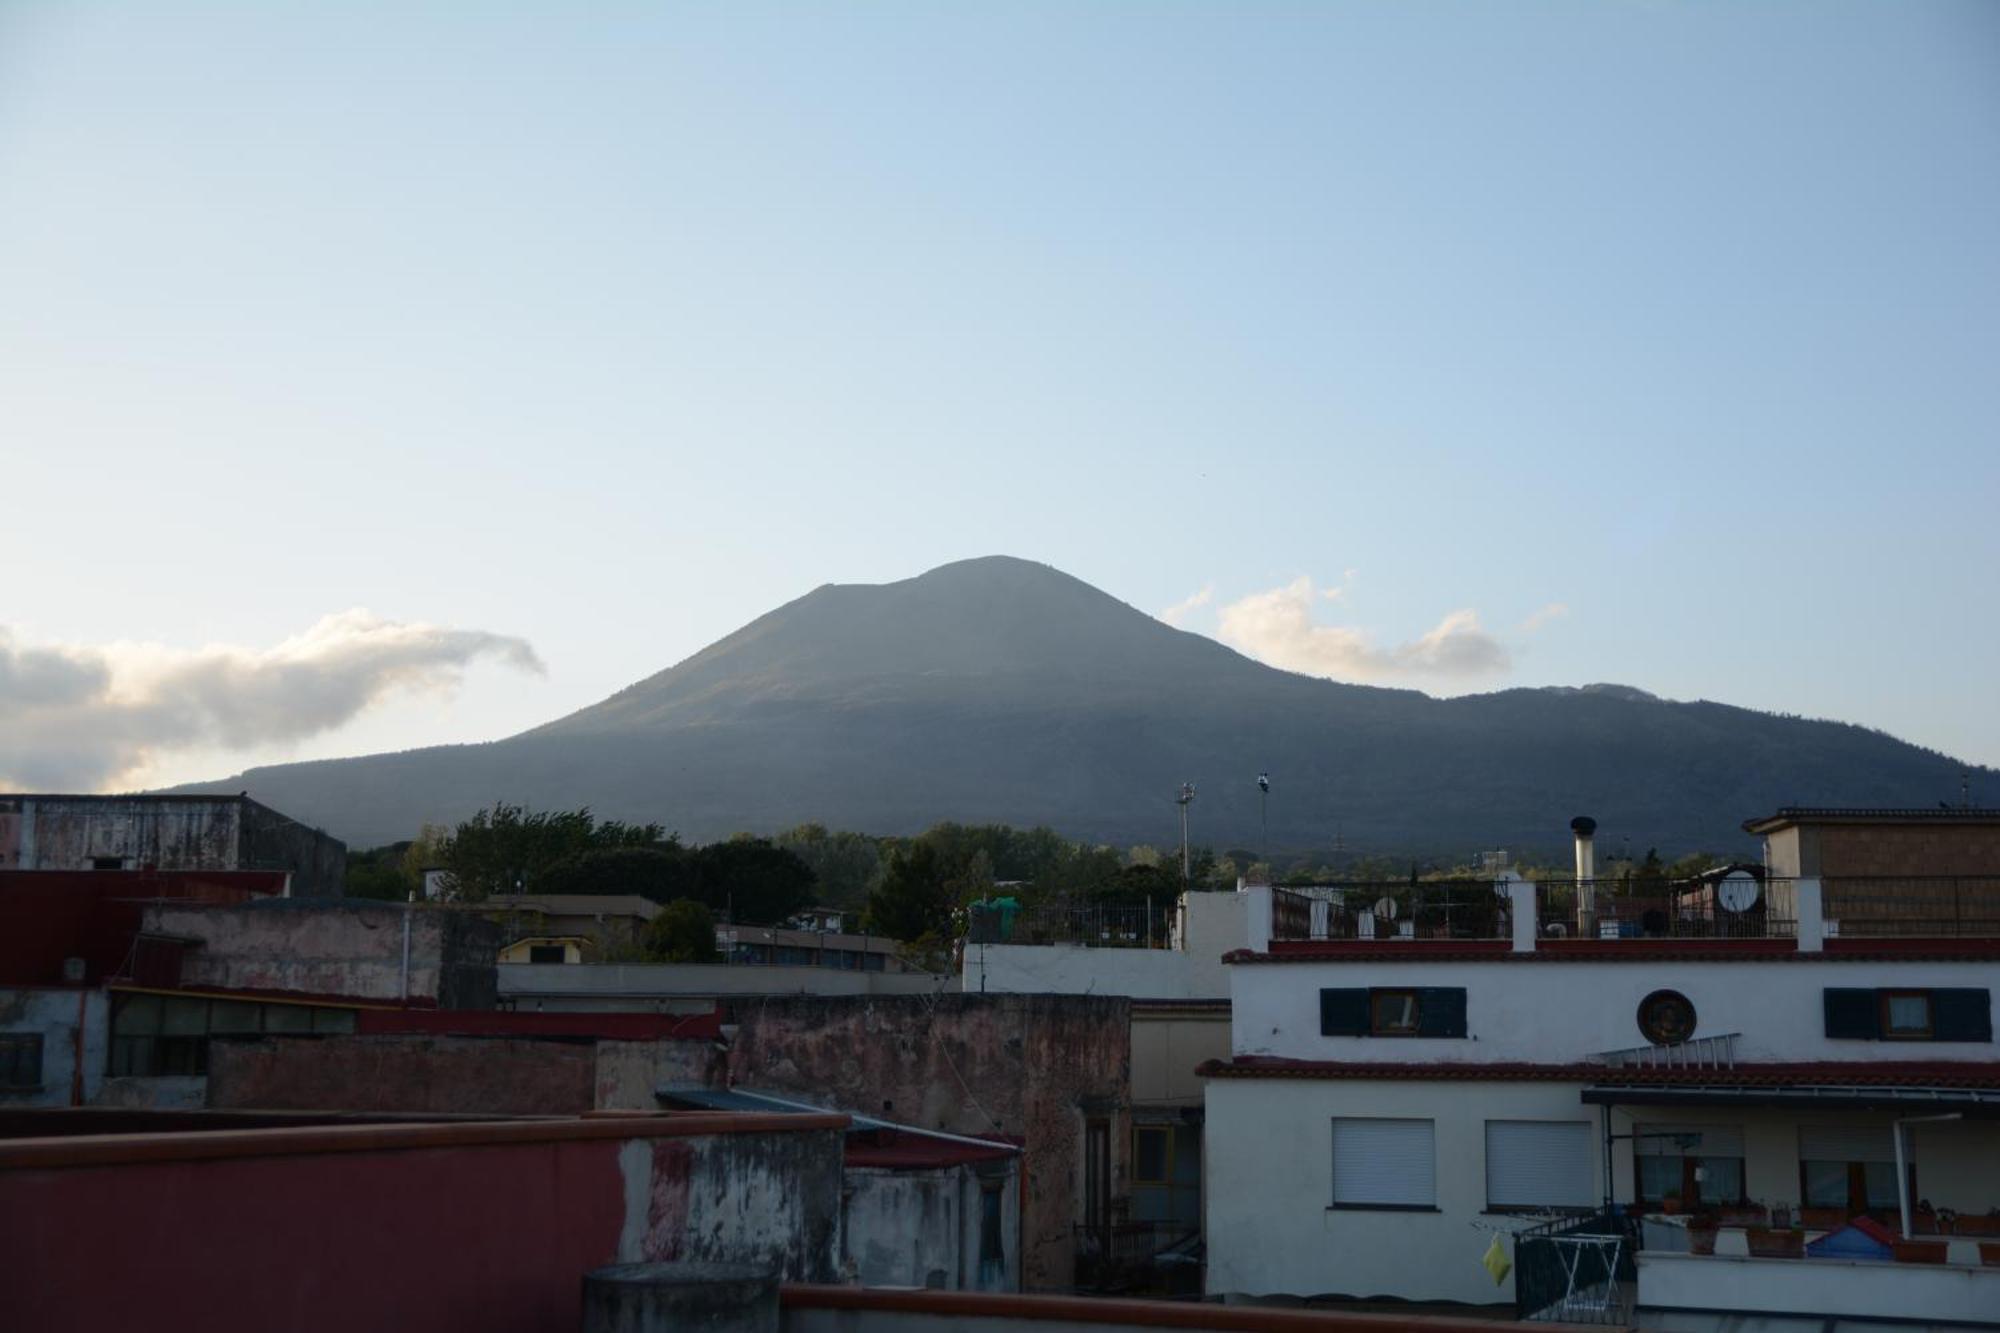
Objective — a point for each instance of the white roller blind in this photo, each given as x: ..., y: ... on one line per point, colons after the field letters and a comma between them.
x: 1716, y: 1141
x: 1539, y: 1164
x: 1846, y: 1143
x: 1385, y: 1162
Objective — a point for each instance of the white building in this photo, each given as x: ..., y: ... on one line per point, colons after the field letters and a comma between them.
x: 1405, y: 1085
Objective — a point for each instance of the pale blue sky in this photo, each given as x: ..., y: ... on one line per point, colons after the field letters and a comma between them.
x: 612, y: 326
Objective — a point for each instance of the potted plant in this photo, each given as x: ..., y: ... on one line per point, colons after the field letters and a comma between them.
x: 1976, y: 1224
x: 1776, y: 1242
x: 1989, y: 1254
x: 1919, y: 1251
x: 1670, y: 1203
x: 1701, y: 1233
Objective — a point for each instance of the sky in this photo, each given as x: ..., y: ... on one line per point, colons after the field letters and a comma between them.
x: 377, y: 375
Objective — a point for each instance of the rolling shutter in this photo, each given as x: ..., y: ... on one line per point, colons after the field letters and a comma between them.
x: 1961, y: 1015
x: 1343, y: 1013
x: 1386, y: 1163
x: 1846, y: 1143
x: 1539, y: 1164
x: 1441, y: 1011
x: 1850, y: 1013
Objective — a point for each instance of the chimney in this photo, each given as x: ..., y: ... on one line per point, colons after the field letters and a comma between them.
x: 1585, y: 829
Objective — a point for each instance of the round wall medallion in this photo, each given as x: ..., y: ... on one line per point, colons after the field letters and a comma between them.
x: 1666, y: 1017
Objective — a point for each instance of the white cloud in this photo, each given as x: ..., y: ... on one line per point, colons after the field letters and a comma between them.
x: 1553, y: 611
x: 1277, y: 627
x: 1182, y: 609
x: 76, y: 716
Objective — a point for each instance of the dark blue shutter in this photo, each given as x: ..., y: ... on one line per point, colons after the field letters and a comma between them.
x: 1441, y: 1011
x: 1961, y: 1015
x: 1850, y: 1013
x: 1343, y: 1013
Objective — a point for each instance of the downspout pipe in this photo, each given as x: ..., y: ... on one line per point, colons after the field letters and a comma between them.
x: 1902, y: 1167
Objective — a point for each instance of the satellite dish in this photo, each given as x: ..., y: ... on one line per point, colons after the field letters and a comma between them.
x: 1737, y: 892
x: 1385, y: 908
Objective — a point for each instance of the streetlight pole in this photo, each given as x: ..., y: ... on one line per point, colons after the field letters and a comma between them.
x: 1264, y: 816
x: 1182, y: 800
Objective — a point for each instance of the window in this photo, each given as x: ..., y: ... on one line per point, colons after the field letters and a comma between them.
x: 992, y: 1239
x: 1152, y: 1153
x: 107, y: 863
x: 1849, y: 1167
x: 154, y: 1035
x: 547, y: 953
x: 1701, y: 1164
x: 1097, y: 1177
x: 1392, y: 1013
x: 1423, y: 1011
x: 1384, y: 1164
x: 1535, y: 1164
x: 1906, y: 1015
x: 20, y: 1060
x: 1937, y: 1014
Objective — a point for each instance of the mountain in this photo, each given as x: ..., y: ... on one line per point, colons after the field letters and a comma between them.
x: 1003, y: 690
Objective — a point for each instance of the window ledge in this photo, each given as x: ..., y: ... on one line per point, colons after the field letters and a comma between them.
x: 1383, y: 1208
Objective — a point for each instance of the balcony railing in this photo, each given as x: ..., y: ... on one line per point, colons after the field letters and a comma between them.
x: 1911, y: 905
x: 1431, y: 910
x: 1620, y: 909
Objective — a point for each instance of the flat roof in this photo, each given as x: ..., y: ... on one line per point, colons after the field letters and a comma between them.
x: 1789, y: 815
x: 871, y: 1141
x: 1979, y: 1075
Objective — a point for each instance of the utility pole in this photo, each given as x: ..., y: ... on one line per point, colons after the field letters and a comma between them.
x: 1186, y: 795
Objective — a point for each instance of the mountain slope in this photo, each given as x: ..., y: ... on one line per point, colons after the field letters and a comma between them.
x: 999, y: 689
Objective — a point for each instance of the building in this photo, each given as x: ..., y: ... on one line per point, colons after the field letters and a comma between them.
x: 1169, y: 963
x: 1941, y: 864
x: 1049, y: 1072
x: 168, y: 833
x: 570, y: 928
x: 148, y: 983
x: 1517, y: 1068
x: 919, y: 1208
x: 783, y: 946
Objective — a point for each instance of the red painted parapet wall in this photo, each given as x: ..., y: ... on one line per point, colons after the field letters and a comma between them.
x: 488, y: 1225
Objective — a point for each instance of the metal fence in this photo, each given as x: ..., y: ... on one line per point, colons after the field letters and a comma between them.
x: 1642, y: 909
x: 1464, y: 909
x: 1123, y: 927
x: 1577, y: 1270
x: 1882, y: 906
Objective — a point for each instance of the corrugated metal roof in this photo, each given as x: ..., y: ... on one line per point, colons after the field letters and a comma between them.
x: 871, y: 1141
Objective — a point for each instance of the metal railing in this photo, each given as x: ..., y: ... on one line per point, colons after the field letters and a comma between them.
x: 1654, y: 909
x: 1885, y: 906
x: 1463, y: 909
x: 1123, y: 927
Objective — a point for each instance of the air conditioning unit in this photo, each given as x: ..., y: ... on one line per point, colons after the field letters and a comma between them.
x: 73, y: 971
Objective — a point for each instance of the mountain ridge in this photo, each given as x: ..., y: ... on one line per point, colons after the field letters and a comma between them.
x: 1000, y: 689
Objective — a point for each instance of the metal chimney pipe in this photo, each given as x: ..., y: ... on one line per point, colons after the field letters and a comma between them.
x: 1585, y: 829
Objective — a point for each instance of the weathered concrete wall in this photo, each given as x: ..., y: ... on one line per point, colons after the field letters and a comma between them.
x: 465, y: 1075
x: 921, y: 1229
x: 59, y: 1015
x: 432, y: 1226
x: 168, y: 833
x: 690, y: 987
x: 628, y: 1072
x: 1032, y: 1067
x: 349, y: 949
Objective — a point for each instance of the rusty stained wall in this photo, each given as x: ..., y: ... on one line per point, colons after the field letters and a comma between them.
x: 1038, y: 1065
x: 629, y: 1072
x: 350, y: 949
x: 453, y: 1075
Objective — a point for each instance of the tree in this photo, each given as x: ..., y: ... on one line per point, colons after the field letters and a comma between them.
x: 502, y: 849
x: 845, y: 866
x: 683, y: 932
x: 753, y: 880
x: 378, y: 873
x: 914, y: 900
x: 659, y: 873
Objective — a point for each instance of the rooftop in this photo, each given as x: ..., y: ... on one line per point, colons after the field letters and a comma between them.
x: 1789, y: 815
